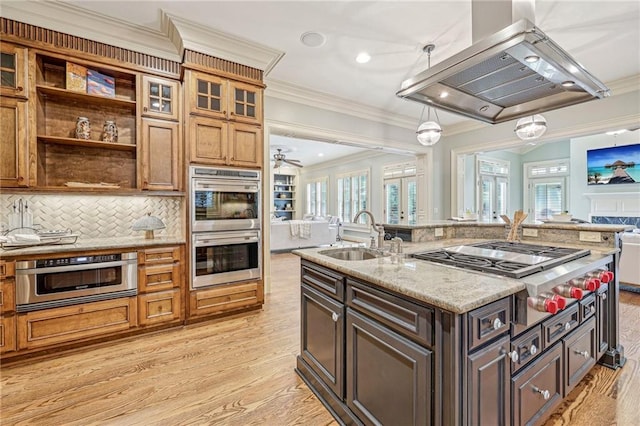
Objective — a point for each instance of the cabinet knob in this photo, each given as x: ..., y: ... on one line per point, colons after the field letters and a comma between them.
x: 19, y: 88
x: 567, y: 326
x: 603, y: 296
x: 144, y: 109
x: 545, y: 393
x: 533, y: 350
x: 514, y: 356
x: 592, y: 309
x: 585, y: 354
x: 335, y: 317
x: 497, y: 324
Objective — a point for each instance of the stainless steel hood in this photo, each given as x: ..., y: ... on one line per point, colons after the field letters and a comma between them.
x: 492, y: 81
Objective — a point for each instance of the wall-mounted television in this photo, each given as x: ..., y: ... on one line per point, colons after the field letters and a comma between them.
x: 615, y: 165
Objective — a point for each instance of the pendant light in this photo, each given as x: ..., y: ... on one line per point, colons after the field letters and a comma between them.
x: 530, y: 128
x: 429, y: 132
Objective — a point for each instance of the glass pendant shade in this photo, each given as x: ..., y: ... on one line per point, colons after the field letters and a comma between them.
x: 529, y: 128
x: 429, y: 133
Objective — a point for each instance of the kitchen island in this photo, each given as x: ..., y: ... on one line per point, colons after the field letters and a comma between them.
x: 396, y: 340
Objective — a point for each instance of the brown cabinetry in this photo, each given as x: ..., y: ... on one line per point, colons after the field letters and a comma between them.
x: 226, y: 298
x: 160, y: 98
x: 7, y: 307
x: 160, y: 280
x: 55, y: 326
x: 13, y: 70
x: 159, y: 161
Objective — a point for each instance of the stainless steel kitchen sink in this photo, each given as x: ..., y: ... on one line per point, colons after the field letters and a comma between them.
x: 353, y: 253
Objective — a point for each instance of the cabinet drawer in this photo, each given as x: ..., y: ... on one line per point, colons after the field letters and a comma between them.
x: 159, y: 277
x: 7, y: 296
x: 538, y: 389
x: 579, y: 353
x: 159, y: 307
x: 7, y: 269
x: 226, y: 298
x: 7, y: 333
x: 409, y: 319
x: 489, y: 321
x: 61, y: 325
x: 587, y: 307
x: 526, y: 347
x: 159, y: 255
x: 559, y: 325
x: 325, y: 280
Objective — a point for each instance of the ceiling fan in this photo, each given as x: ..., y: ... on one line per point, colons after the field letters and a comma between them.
x: 279, y: 158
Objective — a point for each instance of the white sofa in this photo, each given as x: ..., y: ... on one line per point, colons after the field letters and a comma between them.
x: 321, y: 233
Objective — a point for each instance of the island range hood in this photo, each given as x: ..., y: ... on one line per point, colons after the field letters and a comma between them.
x: 514, y: 73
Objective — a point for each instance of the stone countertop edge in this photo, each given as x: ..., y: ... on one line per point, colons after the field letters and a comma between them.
x: 594, y: 227
x: 88, y: 244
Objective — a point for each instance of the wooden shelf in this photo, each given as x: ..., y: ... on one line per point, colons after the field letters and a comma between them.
x: 86, y: 143
x: 55, y: 92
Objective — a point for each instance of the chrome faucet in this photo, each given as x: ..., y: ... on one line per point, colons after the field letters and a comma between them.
x: 378, y: 228
x: 396, y: 245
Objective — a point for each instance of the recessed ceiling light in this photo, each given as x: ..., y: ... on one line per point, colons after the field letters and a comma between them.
x: 320, y: 154
x: 532, y: 58
x: 568, y: 83
x: 363, y: 58
x: 313, y: 39
x: 444, y: 95
x: 484, y: 108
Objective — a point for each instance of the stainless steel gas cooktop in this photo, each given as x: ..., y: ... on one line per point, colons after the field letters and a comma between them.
x: 510, y: 259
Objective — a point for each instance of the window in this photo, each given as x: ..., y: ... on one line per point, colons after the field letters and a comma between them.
x: 353, y: 191
x: 400, y: 194
x: 317, y: 197
x: 493, y: 184
x: 546, y: 184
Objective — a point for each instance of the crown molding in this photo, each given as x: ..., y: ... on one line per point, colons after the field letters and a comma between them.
x: 625, y: 85
x: 67, y: 18
x: 186, y: 34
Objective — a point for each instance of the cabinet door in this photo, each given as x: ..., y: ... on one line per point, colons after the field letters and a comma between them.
x: 7, y: 333
x: 245, y: 145
x: 159, y: 307
x: 14, y: 159
x: 160, y: 98
x: 322, y: 337
x: 488, y: 390
x: 208, y: 141
x: 13, y: 70
x: 7, y: 296
x: 160, y: 155
x: 602, y: 321
x: 207, y: 94
x: 159, y: 277
x: 389, y: 379
x: 226, y: 298
x: 579, y: 354
x: 245, y: 103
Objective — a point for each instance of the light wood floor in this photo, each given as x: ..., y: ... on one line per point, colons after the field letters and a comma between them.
x: 240, y: 372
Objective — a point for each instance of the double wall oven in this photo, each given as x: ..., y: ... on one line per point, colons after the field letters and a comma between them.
x: 225, y: 225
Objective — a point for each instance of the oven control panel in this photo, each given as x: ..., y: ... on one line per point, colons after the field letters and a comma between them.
x: 77, y: 260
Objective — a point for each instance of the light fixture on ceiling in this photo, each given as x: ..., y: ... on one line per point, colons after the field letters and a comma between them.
x: 429, y: 132
x: 363, y: 58
x: 531, y: 127
x: 313, y: 39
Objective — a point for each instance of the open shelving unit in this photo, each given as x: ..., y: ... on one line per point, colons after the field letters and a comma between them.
x: 284, y: 196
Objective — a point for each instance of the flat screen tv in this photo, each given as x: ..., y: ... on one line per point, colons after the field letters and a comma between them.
x: 615, y: 165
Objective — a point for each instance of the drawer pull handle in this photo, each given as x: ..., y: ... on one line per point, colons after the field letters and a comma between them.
x: 603, y: 296
x: 585, y: 354
x: 335, y: 316
x: 497, y: 324
x: 592, y: 309
x: 545, y: 393
x: 514, y: 356
x: 567, y: 326
x: 533, y: 350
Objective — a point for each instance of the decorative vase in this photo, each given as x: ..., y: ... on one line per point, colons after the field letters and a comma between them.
x: 83, y: 128
x: 110, y: 132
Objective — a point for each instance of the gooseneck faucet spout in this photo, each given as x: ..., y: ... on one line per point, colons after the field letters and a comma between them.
x: 378, y: 228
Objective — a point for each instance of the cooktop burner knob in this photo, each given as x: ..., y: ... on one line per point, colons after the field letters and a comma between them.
x: 543, y: 304
x: 560, y: 301
x: 585, y: 283
x: 566, y: 290
x: 604, y: 276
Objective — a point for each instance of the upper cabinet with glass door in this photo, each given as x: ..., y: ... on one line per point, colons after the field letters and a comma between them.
x: 13, y: 70
x: 160, y: 98
x: 223, y: 98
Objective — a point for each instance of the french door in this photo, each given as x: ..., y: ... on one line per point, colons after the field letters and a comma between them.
x: 547, y: 196
x: 493, y: 196
x: 401, y: 201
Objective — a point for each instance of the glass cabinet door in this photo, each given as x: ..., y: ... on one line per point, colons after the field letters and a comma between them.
x: 207, y: 94
x: 13, y: 70
x: 160, y: 98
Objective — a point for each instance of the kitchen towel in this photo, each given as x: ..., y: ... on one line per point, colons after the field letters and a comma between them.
x: 300, y: 229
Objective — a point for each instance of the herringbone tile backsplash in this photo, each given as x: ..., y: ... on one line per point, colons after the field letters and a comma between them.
x: 94, y: 216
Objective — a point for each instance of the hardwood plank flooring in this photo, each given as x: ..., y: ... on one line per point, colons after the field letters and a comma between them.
x: 239, y: 371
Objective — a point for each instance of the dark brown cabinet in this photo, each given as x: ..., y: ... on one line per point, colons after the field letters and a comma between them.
x: 579, y: 354
x: 488, y: 385
x: 602, y: 321
x: 388, y: 376
x: 322, y: 337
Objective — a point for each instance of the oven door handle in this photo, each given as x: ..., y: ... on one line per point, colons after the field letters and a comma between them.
x: 226, y: 188
x: 82, y: 267
x: 225, y: 241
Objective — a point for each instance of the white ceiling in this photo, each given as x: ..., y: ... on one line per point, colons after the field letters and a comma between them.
x: 604, y: 36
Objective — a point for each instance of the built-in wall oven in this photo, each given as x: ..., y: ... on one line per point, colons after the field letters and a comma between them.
x: 62, y: 281
x: 224, y: 199
x: 225, y: 214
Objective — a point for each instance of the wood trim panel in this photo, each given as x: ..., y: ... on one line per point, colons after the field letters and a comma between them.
x: 226, y: 298
x: 155, y: 256
x: 159, y: 307
x: 159, y: 277
x: 7, y: 296
x: 7, y: 333
x: 71, y: 323
x: 229, y: 69
x: 58, y: 42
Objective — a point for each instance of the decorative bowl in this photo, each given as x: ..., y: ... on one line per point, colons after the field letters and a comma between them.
x: 563, y: 217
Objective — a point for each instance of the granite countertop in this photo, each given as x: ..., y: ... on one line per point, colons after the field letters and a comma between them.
x: 86, y: 244
x: 453, y: 289
x: 594, y: 227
